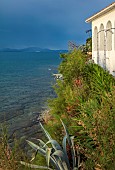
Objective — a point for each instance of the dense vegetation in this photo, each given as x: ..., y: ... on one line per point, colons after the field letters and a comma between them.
x: 86, y: 103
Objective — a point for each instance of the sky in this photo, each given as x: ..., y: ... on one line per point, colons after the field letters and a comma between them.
x: 46, y: 23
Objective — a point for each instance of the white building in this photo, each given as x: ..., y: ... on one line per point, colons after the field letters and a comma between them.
x: 103, y: 38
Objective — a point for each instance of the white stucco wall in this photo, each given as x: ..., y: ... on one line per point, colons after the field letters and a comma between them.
x: 107, y: 57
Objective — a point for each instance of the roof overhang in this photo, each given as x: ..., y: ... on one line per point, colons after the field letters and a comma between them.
x: 102, y: 12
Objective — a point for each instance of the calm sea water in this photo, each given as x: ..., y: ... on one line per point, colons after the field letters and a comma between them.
x: 25, y: 85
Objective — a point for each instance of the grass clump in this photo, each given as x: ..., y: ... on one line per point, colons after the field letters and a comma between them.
x: 10, y: 156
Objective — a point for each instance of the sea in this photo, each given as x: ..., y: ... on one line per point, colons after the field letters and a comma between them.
x: 26, y: 80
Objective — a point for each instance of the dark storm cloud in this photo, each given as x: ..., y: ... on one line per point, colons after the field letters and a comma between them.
x: 45, y: 23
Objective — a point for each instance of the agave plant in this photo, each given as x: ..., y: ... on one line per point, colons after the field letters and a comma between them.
x: 56, y: 155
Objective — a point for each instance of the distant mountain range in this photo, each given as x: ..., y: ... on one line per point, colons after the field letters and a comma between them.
x: 30, y: 49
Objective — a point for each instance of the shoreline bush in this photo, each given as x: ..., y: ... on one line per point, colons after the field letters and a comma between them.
x: 85, y: 102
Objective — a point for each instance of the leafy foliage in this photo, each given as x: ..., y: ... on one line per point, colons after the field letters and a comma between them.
x: 89, y: 44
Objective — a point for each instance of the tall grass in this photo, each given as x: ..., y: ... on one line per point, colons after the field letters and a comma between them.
x: 10, y: 156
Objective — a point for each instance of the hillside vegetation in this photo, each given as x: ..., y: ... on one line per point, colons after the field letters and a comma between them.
x: 86, y: 103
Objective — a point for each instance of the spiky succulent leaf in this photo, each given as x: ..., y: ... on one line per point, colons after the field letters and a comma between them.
x: 42, y: 144
x: 48, y: 152
x: 65, y: 166
x: 59, y: 162
x: 55, y: 144
x: 71, y: 144
x: 61, y: 156
x: 66, y: 132
x: 64, y: 144
x: 46, y: 133
x: 73, y: 151
x: 42, y: 152
x: 34, y: 166
x: 56, y: 155
x: 78, y: 158
x: 37, y: 148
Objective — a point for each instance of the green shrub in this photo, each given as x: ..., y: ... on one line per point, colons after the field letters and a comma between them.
x: 98, y: 122
x: 72, y: 66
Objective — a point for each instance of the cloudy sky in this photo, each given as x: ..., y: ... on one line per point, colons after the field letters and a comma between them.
x: 46, y: 23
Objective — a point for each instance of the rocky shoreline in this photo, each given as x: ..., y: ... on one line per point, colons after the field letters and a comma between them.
x: 21, y: 127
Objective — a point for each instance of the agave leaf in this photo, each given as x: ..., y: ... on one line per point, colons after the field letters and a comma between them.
x: 59, y: 162
x: 65, y: 166
x: 71, y: 143
x: 75, y: 168
x: 36, y: 148
x: 42, y: 144
x: 65, y: 150
x: 42, y: 152
x: 58, y: 153
x: 61, y: 156
x: 73, y: 151
x: 66, y: 132
x: 64, y: 144
x: 48, y: 155
x: 78, y: 158
x: 48, y: 152
x: 46, y: 133
x: 55, y: 144
x: 34, y: 166
x: 54, y: 162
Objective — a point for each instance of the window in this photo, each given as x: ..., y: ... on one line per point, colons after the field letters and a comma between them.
x: 95, y: 38
x: 109, y: 36
x: 101, y: 38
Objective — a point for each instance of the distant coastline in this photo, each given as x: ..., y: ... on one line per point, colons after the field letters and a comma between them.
x: 30, y: 49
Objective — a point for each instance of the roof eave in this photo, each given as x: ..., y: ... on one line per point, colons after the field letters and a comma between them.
x: 102, y: 12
